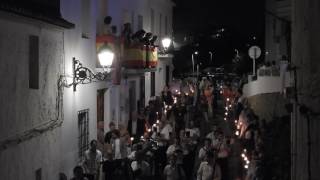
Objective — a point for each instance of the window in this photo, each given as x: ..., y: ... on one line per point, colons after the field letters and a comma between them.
x: 85, y: 18
x: 132, y: 21
x: 142, y: 91
x: 39, y: 174
x: 166, y: 25
x: 167, y: 75
x: 160, y: 25
x: 132, y: 97
x: 83, y: 127
x: 152, y: 21
x: 140, y: 22
x: 153, y: 83
x: 33, y: 62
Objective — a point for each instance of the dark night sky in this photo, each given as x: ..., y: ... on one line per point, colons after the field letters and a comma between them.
x: 242, y: 19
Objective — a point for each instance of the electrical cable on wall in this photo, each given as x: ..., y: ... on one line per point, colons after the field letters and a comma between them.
x: 47, y: 126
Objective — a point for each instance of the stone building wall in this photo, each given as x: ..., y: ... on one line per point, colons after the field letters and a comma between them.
x: 305, y: 56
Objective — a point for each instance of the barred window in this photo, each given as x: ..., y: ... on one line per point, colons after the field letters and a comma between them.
x: 83, y: 128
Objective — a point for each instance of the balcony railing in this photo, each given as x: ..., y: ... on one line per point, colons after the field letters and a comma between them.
x: 268, y: 80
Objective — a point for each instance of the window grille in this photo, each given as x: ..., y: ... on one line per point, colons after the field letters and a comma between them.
x: 83, y: 128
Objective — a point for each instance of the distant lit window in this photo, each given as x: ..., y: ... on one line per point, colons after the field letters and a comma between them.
x: 83, y: 129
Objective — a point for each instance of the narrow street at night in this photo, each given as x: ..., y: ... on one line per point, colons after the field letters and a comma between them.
x: 159, y: 90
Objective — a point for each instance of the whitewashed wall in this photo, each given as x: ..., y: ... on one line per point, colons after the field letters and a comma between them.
x: 22, y: 108
x: 85, y: 96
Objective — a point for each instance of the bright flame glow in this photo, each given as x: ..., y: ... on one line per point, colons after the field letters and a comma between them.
x: 132, y: 138
x: 246, y: 166
x: 237, y: 133
x: 228, y: 99
x: 225, y: 119
x: 106, y: 58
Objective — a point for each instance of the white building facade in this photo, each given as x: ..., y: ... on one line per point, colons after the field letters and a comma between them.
x: 278, y: 30
x: 45, y: 126
x: 138, y: 86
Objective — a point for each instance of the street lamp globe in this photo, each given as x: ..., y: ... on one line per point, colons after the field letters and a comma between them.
x: 105, y: 56
x: 166, y: 42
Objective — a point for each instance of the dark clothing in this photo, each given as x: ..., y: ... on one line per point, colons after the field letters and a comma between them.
x: 108, y: 137
x: 140, y: 127
x: 179, y: 118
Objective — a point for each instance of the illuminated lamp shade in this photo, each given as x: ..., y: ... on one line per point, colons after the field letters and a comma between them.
x: 166, y: 42
x: 105, y: 56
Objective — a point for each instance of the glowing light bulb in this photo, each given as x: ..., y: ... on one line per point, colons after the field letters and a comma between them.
x: 237, y: 133
x: 246, y: 166
x: 154, y: 125
x: 230, y: 106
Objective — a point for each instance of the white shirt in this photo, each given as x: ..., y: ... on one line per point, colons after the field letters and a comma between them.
x: 165, y: 131
x: 116, y: 148
x: 143, y: 165
x: 205, y: 172
x: 211, y: 136
x: 194, y: 132
x: 92, y: 161
x: 172, y: 172
x: 202, y: 153
x: 134, y: 127
x: 171, y: 149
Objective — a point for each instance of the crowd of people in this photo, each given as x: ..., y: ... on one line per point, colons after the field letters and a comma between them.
x: 177, y: 137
